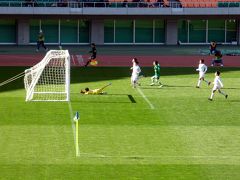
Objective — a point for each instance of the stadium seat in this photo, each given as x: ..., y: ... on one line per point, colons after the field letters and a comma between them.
x: 200, y: 3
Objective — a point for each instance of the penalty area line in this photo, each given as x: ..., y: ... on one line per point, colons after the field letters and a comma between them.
x: 145, y: 98
x: 73, y: 126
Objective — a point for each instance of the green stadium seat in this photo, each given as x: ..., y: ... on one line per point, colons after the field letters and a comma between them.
x: 112, y: 5
x: 15, y: 4
x: 222, y: 4
x: 233, y: 4
x: 4, y: 4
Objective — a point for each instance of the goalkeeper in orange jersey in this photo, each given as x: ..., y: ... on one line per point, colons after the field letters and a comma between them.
x: 95, y: 91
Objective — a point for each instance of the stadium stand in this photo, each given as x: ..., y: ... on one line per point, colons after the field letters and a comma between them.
x: 121, y: 22
x: 138, y: 3
x: 198, y: 3
x: 209, y: 3
x: 86, y: 3
x: 122, y: 3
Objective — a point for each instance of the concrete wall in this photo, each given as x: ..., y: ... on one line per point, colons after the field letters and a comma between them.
x: 97, y: 31
x: 22, y: 31
x: 171, y: 31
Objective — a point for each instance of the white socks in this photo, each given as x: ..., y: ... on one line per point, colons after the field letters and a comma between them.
x: 199, y: 82
x: 212, y: 95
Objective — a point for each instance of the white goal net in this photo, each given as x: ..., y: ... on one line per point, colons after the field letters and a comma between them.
x: 49, y: 80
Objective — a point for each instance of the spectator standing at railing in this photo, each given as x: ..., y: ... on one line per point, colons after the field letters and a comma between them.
x: 106, y: 3
x: 29, y: 3
x: 63, y: 3
x: 40, y: 41
x: 124, y: 4
x: 213, y: 47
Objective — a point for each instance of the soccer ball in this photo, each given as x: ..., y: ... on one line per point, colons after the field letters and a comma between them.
x: 94, y: 62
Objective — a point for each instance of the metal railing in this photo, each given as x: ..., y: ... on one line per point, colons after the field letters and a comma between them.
x: 118, y: 4
x: 83, y: 4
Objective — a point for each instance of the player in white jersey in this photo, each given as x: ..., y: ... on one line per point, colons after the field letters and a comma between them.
x: 135, y: 73
x: 217, y: 86
x: 202, y: 68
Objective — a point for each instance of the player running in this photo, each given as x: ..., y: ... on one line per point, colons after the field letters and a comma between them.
x: 156, y: 77
x: 217, y: 86
x: 93, y: 54
x: 95, y: 91
x: 202, y: 68
x: 135, y: 73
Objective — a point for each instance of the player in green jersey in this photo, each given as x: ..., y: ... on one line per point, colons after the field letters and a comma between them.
x: 156, y: 77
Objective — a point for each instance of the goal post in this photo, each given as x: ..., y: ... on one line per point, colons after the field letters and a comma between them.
x: 49, y: 80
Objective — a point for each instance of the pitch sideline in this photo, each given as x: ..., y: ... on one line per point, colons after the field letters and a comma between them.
x: 145, y: 98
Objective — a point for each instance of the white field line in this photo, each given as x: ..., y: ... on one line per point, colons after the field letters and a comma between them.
x: 93, y: 155
x: 145, y: 98
x: 73, y: 126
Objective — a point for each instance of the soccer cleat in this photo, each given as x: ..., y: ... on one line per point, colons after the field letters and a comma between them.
x: 197, y: 87
x: 211, y: 64
x: 221, y: 65
x: 161, y: 86
x: 209, y: 99
x: 226, y: 96
x: 209, y: 83
x: 151, y: 84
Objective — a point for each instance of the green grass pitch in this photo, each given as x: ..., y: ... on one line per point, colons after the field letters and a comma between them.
x: 175, y: 133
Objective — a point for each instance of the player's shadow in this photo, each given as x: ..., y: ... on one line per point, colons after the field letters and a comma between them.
x: 130, y: 97
x: 101, y: 102
x: 179, y: 86
x: 165, y: 87
x: 234, y: 101
x: 231, y: 88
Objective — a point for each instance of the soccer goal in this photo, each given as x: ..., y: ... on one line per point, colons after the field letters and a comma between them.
x: 49, y: 80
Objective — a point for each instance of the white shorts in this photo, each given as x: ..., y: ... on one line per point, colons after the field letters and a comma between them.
x: 155, y: 77
x: 216, y: 88
x: 134, y: 78
x: 201, y: 75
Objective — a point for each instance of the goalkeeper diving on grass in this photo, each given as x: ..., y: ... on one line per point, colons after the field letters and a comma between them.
x: 95, y: 91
